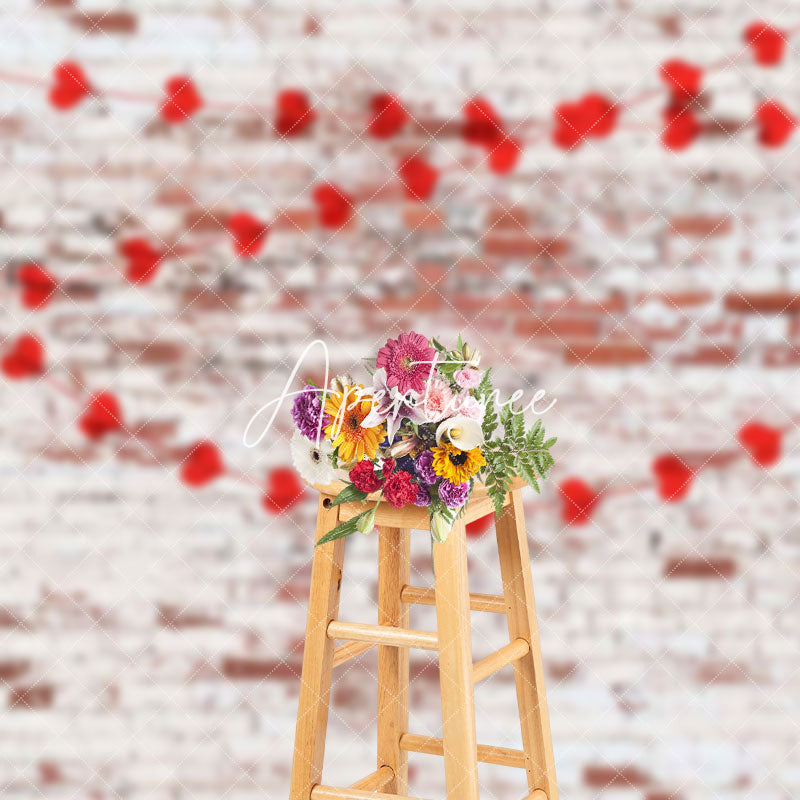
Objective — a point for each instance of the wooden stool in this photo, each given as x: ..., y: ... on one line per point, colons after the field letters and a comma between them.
x: 453, y: 642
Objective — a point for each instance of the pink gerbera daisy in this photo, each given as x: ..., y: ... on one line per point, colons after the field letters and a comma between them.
x: 404, y: 360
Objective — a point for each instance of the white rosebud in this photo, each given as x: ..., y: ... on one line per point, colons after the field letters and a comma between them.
x: 440, y: 528
x: 463, y: 432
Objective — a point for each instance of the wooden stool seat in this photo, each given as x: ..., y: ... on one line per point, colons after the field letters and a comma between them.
x: 452, y: 640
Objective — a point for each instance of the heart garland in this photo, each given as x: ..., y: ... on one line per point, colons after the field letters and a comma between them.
x: 592, y: 116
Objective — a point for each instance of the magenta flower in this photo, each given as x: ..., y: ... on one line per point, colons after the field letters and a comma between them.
x: 405, y: 360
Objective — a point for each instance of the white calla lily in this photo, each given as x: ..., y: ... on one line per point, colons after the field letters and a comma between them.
x: 463, y: 432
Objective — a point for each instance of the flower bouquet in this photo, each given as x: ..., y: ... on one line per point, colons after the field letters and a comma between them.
x: 422, y: 434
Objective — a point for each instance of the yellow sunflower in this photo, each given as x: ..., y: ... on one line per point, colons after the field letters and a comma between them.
x: 456, y: 466
x: 346, y: 410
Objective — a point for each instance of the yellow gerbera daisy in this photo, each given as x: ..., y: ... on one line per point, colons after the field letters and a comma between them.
x: 457, y: 466
x: 346, y: 410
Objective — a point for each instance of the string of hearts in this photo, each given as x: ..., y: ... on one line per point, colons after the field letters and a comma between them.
x: 203, y: 463
x: 593, y: 116
x: 102, y: 416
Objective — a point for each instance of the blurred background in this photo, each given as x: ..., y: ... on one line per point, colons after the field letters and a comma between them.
x: 192, y: 192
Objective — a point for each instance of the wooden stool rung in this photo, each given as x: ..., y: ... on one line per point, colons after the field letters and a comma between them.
x: 477, y: 602
x: 376, y: 781
x: 349, y: 651
x: 383, y: 634
x: 332, y: 793
x: 505, y: 655
x: 488, y: 754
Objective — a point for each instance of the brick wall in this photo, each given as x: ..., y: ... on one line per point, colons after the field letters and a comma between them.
x: 152, y: 633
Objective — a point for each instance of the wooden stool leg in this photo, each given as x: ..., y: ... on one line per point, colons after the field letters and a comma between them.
x: 323, y: 605
x: 455, y: 665
x: 512, y: 545
x: 393, y: 574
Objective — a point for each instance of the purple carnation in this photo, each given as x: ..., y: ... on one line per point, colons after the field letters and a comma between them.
x: 423, y: 466
x: 454, y: 495
x: 423, y: 496
x: 306, y: 411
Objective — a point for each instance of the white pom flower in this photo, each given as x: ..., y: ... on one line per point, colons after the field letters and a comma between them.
x: 312, y: 462
x: 460, y: 431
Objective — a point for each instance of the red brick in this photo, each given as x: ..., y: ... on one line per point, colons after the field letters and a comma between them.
x: 80, y: 291
x: 781, y: 355
x: 560, y: 327
x: 616, y: 303
x: 686, y: 299
x: 726, y: 672
x: 296, y: 219
x: 49, y: 773
x: 709, y: 355
x: 507, y: 220
x: 562, y: 671
x: 203, y: 299
x: 155, y: 352
x: 8, y: 619
x: 701, y: 226
x: 106, y: 22
x: 11, y: 669
x: 714, y: 568
x: 603, y: 777
x: 178, y: 618
x: 421, y: 218
x: 528, y: 246
x: 205, y: 220
x: 257, y: 669
x: 762, y: 302
x: 607, y: 354
x: 31, y: 698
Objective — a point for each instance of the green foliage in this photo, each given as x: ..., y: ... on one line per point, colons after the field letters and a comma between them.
x: 348, y: 495
x: 345, y: 528
x: 518, y: 452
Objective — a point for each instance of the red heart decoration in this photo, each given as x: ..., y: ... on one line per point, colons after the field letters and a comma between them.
x: 504, y: 157
x: 776, y: 124
x: 102, y: 416
x: 202, y: 464
x: 569, y: 125
x: 334, y: 205
x: 70, y: 86
x: 479, y: 526
x: 681, y: 128
x: 419, y: 178
x: 38, y: 286
x: 182, y: 101
x: 24, y: 359
x: 283, y: 490
x: 294, y: 113
x: 767, y: 43
x: 388, y: 116
x: 684, y: 80
x: 482, y: 124
x: 593, y: 116
x: 143, y: 260
x: 578, y: 501
x: 673, y: 476
x: 762, y: 442
x: 249, y: 234
x: 600, y: 115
